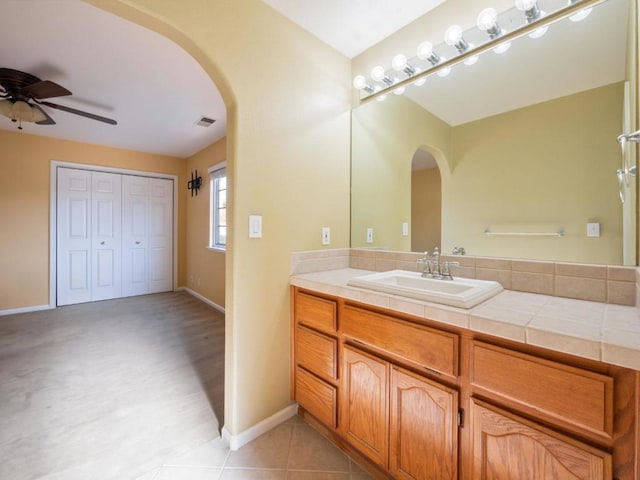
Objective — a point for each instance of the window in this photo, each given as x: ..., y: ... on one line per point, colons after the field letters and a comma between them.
x: 218, y: 206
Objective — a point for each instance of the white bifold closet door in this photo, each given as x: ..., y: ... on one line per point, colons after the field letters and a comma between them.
x: 147, y: 220
x: 89, y: 236
x: 114, y: 235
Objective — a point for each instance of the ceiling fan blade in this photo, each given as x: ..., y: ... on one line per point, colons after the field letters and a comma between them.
x: 79, y: 112
x: 48, y: 120
x: 44, y: 89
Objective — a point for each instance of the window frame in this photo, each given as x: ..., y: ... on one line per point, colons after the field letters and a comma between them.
x: 216, y: 172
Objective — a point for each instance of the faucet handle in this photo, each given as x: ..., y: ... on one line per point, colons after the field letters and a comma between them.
x: 446, y: 269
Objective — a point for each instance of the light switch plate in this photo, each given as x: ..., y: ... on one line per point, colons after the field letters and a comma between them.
x: 405, y: 229
x: 369, y: 235
x: 326, y: 235
x: 255, y: 226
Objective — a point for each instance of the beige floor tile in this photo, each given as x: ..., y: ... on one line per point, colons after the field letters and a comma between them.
x: 301, y: 475
x: 188, y: 473
x: 210, y: 454
x: 251, y: 474
x: 311, y: 451
x: 267, y: 451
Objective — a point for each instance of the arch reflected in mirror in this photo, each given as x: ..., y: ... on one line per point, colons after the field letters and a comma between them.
x: 426, y: 202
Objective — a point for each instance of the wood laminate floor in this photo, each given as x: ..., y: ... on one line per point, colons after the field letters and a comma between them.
x: 133, y: 389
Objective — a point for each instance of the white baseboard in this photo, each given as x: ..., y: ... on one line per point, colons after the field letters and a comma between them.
x: 36, y: 308
x: 237, y: 441
x: 202, y: 298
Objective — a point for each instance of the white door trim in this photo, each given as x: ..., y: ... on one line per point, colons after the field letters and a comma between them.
x: 53, y: 195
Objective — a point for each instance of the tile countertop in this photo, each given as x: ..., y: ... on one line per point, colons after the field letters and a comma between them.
x: 599, y: 331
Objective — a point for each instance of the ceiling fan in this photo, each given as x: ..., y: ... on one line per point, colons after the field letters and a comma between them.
x: 22, y: 99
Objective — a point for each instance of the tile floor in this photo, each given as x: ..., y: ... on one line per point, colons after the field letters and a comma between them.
x: 291, y: 451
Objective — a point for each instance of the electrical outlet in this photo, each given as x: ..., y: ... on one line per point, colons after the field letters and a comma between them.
x: 326, y: 235
x: 593, y: 229
x: 369, y: 235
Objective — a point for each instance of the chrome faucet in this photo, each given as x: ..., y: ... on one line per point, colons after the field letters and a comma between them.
x: 458, y: 251
x: 433, y: 267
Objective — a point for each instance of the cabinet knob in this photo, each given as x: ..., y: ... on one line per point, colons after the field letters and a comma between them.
x: 102, y: 242
x: 138, y: 243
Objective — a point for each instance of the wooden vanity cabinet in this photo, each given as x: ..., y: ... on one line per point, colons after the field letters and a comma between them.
x: 507, y: 447
x: 315, y: 356
x: 425, y: 403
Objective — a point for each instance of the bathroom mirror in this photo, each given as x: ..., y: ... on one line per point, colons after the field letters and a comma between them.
x: 525, y: 146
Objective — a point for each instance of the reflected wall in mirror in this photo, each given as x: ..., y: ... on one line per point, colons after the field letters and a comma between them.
x: 525, y: 142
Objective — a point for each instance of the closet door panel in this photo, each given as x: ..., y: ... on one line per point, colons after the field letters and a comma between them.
x: 73, y: 246
x: 160, y: 241
x: 106, y: 215
x: 134, y: 235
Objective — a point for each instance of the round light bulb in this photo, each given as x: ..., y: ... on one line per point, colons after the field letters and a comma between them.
x: 381, y: 98
x: 539, y: 32
x: 399, y: 90
x: 487, y: 19
x: 502, y: 47
x: 359, y: 82
x: 377, y: 73
x: 453, y: 35
x: 473, y: 59
x: 425, y: 50
x: 421, y: 81
x: 445, y: 71
x: 581, y: 15
x: 399, y: 62
x: 524, y: 5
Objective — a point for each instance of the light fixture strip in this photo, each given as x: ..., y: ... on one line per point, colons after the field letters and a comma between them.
x: 508, y: 36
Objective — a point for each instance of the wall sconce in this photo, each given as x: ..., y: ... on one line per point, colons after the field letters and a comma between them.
x: 195, y: 183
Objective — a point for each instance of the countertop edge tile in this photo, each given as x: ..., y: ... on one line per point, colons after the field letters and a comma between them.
x: 485, y: 318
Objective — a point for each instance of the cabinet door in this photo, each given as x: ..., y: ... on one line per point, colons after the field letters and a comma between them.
x: 364, y: 407
x: 507, y: 447
x: 424, y: 428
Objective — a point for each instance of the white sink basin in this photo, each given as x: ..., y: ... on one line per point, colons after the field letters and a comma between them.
x: 459, y: 292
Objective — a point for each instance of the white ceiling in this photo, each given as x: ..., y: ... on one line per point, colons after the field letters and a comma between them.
x: 352, y: 26
x: 116, y: 69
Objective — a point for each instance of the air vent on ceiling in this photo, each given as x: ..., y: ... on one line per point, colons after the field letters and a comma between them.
x: 205, y: 122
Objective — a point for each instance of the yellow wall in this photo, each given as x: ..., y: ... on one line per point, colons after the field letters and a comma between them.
x: 550, y: 166
x: 426, y: 210
x: 385, y: 137
x: 25, y: 163
x: 288, y: 97
x: 205, y: 269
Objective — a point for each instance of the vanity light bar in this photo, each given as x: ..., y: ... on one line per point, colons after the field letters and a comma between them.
x: 526, y: 29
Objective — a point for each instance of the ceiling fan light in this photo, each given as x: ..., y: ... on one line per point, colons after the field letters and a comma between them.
x: 22, y: 112
x: 5, y: 108
x: 38, y: 116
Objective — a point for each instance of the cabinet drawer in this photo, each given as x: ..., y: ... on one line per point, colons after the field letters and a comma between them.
x: 316, y: 312
x: 317, y: 397
x: 572, y: 396
x: 433, y: 349
x: 316, y: 352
